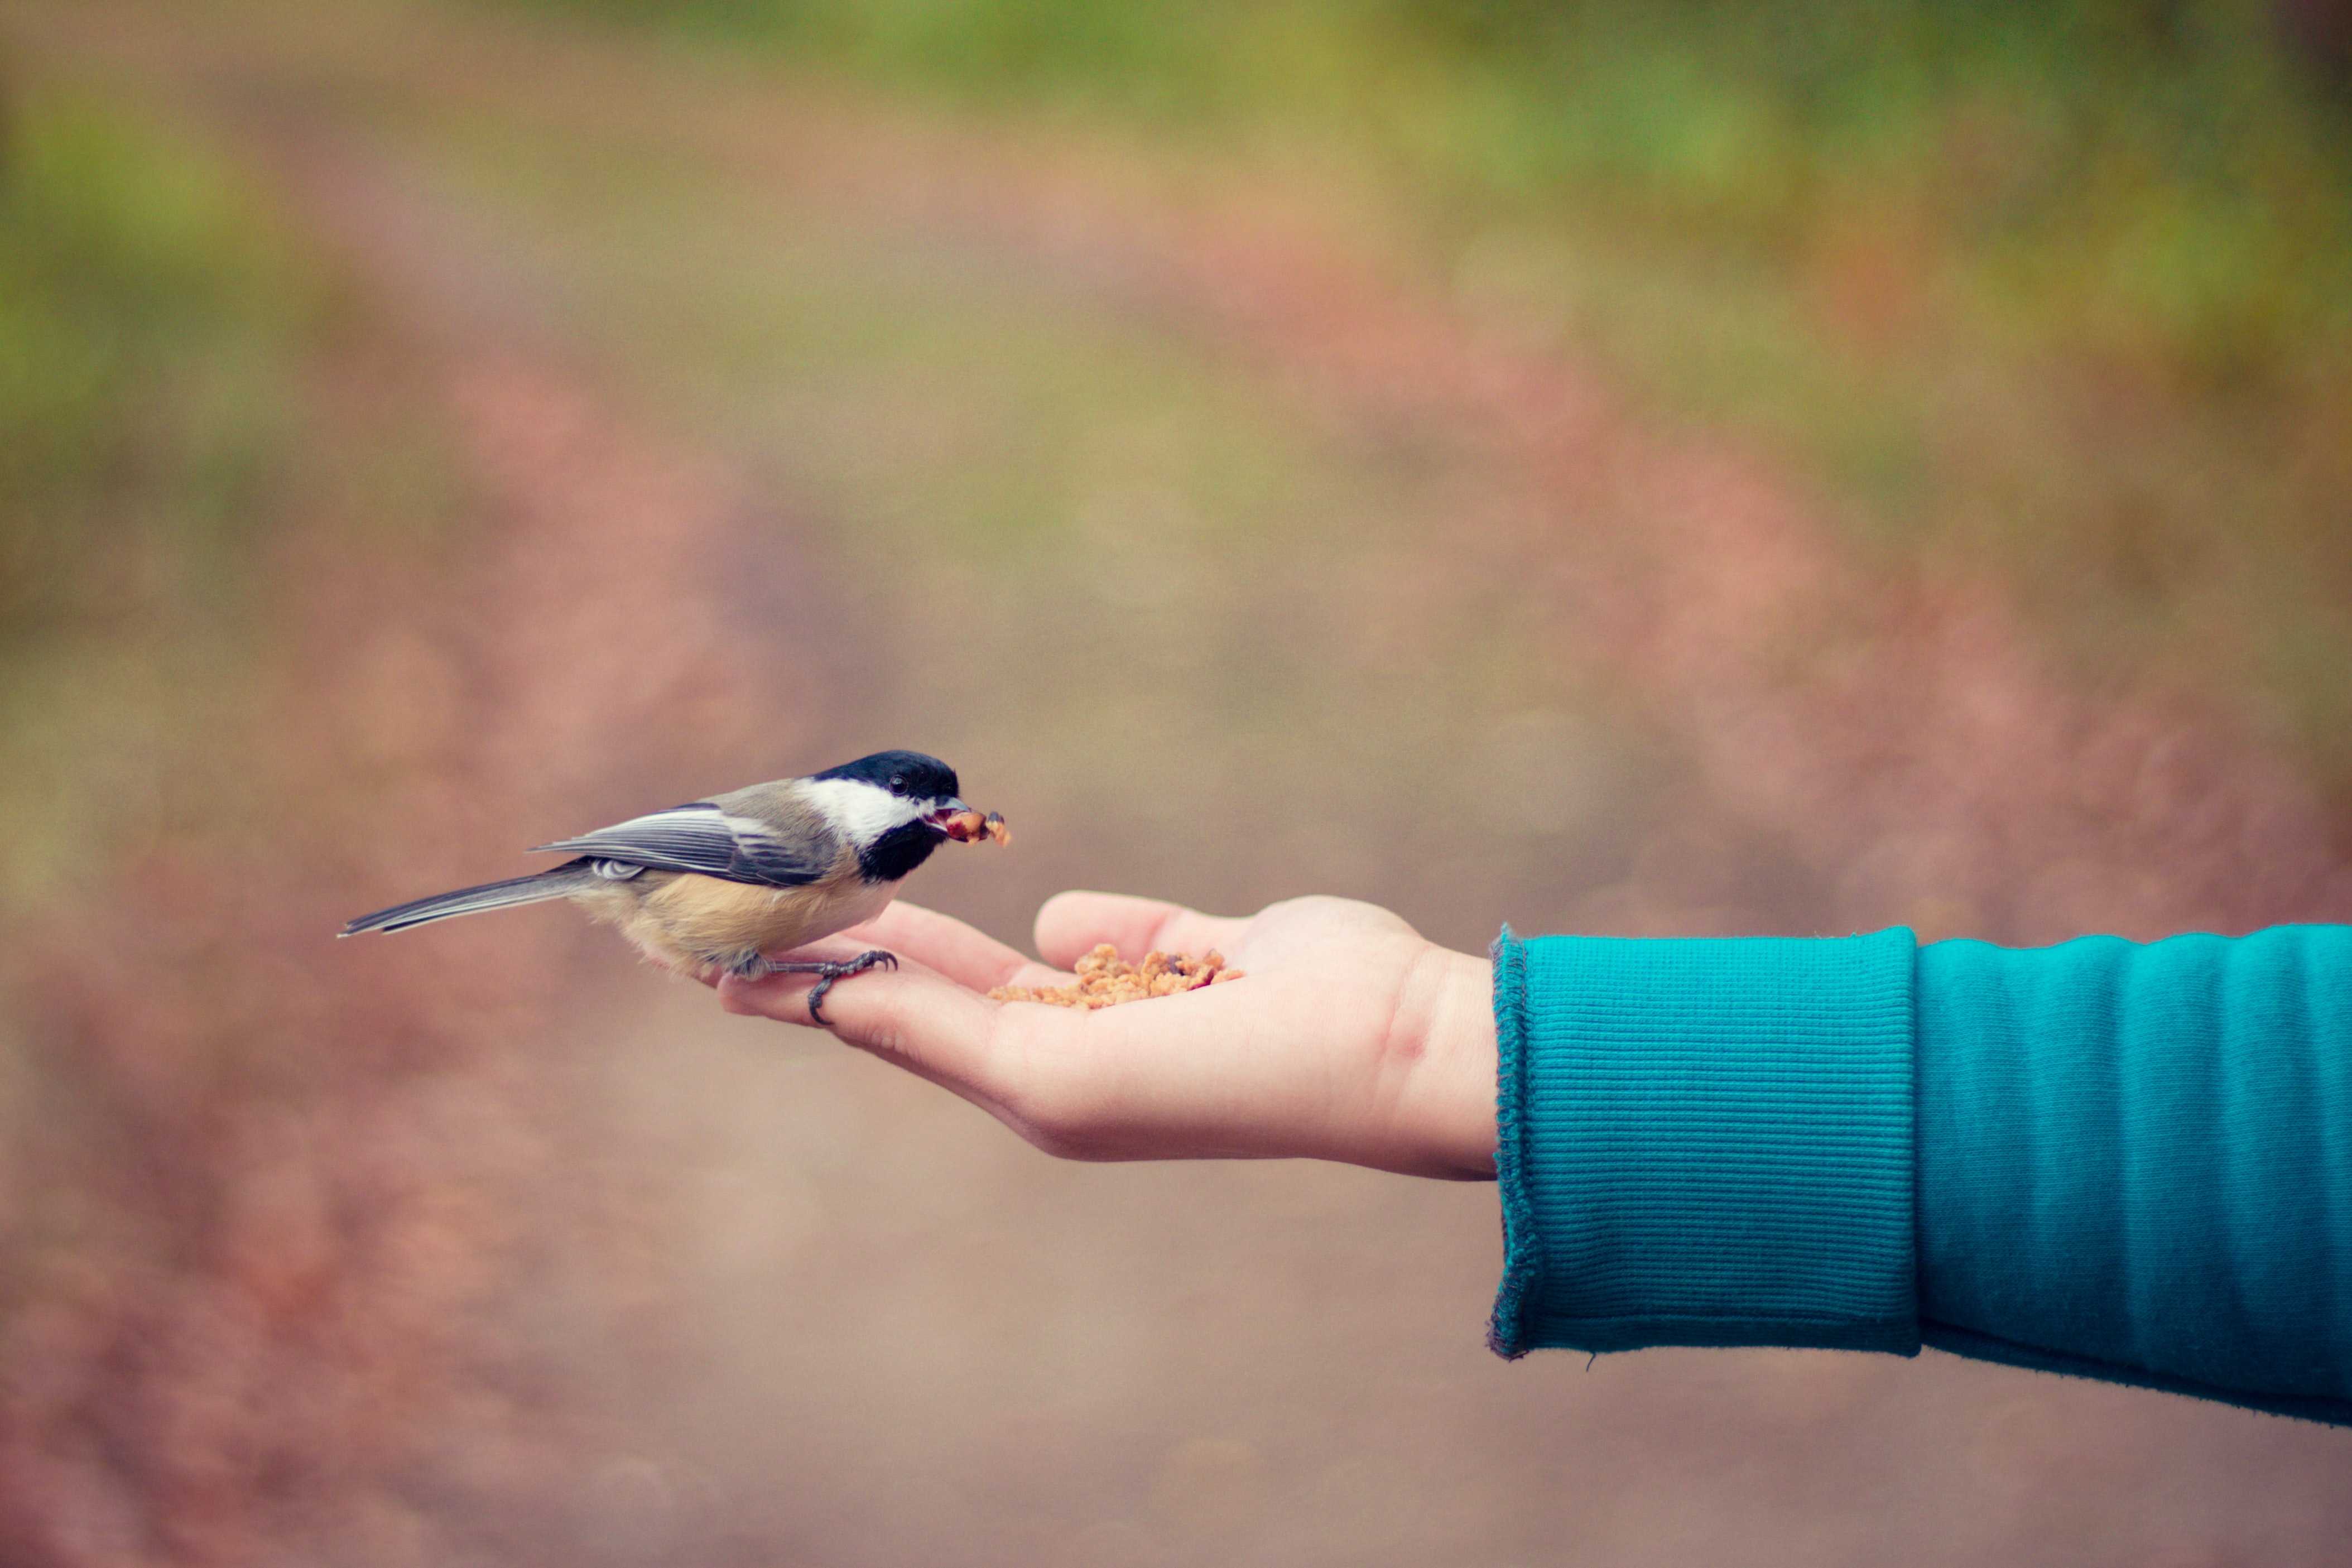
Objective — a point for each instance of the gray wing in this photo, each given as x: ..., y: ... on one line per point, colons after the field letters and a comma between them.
x: 704, y: 838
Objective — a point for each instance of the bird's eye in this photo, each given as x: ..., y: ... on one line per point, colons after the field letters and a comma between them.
x: 897, y: 783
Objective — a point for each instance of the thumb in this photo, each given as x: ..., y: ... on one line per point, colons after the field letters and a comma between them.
x: 1073, y: 923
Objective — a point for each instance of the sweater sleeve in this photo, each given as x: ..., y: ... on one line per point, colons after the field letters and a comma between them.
x: 2126, y: 1162
x: 2136, y: 1162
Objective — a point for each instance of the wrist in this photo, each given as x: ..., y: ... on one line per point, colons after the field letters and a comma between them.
x: 1456, y: 1057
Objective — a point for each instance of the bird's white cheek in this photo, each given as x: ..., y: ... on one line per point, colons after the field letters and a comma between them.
x: 860, y: 810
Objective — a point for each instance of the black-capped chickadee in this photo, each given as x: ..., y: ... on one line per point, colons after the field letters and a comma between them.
x: 716, y: 885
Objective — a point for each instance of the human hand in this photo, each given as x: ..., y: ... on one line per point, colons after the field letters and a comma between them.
x: 1347, y: 1038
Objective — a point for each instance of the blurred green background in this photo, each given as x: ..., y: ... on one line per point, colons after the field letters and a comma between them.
x: 1665, y: 468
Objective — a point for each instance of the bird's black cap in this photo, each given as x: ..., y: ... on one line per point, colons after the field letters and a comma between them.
x: 909, y: 773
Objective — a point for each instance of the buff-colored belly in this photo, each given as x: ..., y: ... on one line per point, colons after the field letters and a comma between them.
x: 697, y: 924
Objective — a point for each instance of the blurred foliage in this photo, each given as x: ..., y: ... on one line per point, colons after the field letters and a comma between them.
x: 146, y: 329
x: 150, y: 315
x: 2063, y: 289
x: 2149, y: 176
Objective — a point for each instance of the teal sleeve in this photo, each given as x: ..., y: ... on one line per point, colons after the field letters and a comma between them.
x: 2136, y: 1162
x: 2127, y: 1162
x: 1705, y: 1143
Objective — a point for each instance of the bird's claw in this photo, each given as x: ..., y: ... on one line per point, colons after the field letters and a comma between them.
x: 827, y: 972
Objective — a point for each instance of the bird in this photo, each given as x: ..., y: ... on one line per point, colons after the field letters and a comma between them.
x: 712, y: 887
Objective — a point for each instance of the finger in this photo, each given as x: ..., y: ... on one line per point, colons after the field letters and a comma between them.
x: 911, y: 1015
x: 965, y: 955
x: 1074, y: 922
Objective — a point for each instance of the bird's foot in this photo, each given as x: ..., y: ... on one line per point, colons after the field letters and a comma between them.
x: 826, y: 974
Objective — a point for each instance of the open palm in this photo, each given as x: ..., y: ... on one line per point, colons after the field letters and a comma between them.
x: 1350, y: 1037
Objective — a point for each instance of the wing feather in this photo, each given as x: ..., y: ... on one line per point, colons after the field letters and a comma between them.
x: 705, y: 838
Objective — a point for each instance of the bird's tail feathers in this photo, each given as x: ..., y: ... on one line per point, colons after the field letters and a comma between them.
x: 558, y: 883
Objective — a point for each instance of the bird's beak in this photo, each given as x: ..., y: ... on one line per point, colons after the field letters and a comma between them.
x: 947, y: 811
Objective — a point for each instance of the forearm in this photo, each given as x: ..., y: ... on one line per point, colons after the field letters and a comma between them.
x: 2130, y: 1162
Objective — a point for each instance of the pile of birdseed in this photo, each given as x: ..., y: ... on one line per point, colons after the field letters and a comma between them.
x: 1105, y: 980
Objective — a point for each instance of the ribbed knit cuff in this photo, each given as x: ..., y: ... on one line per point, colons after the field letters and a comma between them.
x: 1705, y: 1143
